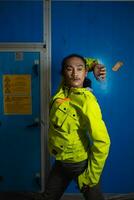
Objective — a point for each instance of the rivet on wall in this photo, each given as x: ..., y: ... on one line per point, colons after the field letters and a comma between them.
x: 18, y: 56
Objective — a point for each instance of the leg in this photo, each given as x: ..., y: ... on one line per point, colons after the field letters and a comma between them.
x: 57, y: 183
x: 93, y: 193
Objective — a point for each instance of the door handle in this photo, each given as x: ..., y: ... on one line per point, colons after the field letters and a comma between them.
x: 35, y: 124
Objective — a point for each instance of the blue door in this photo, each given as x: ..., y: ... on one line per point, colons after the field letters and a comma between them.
x: 20, y: 161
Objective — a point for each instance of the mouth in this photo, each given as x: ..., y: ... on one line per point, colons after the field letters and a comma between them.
x: 75, y: 82
x: 75, y: 79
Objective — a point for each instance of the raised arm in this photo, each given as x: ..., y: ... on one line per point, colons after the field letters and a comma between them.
x: 97, y: 68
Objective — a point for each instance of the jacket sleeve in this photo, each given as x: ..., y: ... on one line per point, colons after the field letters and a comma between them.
x: 99, y: 149
x: 90, y: 63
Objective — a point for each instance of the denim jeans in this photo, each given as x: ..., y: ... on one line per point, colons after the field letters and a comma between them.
x: 60, y: 177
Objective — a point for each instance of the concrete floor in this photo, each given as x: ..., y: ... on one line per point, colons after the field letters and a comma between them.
x: 38, y: 196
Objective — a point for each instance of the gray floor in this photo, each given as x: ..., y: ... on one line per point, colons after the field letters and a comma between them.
x: 38, y: 196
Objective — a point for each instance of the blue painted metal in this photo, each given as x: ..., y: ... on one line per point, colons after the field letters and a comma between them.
x: 103, y: 30
x: 20, y: 160
x: 21, y: 21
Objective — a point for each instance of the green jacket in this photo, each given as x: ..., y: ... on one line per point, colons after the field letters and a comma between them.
x: 74, y: 113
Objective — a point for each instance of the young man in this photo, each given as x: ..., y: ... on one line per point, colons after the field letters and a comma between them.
x: 78, y: 138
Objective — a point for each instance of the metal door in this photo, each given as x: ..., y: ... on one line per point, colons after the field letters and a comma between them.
x: 20, y: 156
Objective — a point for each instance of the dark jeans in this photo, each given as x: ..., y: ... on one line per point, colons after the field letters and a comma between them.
x: 61, y: 175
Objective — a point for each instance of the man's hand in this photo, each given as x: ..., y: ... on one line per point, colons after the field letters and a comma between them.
x: 99, y: 71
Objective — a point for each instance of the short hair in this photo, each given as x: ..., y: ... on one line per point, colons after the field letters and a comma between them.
x: 65, y: 59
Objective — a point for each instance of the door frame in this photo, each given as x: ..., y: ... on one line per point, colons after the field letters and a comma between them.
x: 44, y: 100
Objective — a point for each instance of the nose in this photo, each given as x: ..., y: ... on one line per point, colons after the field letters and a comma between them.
x: 74, y: 73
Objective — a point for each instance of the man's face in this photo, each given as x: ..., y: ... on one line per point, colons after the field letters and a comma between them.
x: 75, y: 72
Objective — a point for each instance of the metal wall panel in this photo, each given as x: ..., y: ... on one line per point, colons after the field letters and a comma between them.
x: 21, y: 21
x: 103, y: 30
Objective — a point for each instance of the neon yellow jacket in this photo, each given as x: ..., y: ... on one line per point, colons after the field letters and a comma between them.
x: 90, y: 63
x: 73, y: 113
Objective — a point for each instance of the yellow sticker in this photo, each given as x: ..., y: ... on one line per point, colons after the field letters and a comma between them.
x: 17, y: 94
x: 17, y: 84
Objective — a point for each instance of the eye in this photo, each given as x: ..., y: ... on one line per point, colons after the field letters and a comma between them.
x: 69, y: 68
x: 80, y: 68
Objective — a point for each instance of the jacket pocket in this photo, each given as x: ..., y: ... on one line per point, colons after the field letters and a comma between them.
x: 56, y: 145
x: 59, y: 115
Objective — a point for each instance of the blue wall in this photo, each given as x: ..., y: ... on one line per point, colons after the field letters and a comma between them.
x: 104, y: 30
x: 21, y: 21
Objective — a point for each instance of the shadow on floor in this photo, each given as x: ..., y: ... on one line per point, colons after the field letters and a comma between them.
x: 39, y: 196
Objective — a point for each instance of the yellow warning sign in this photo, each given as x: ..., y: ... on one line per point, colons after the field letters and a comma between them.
x: 17, y: 94
x: 17, y: 84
